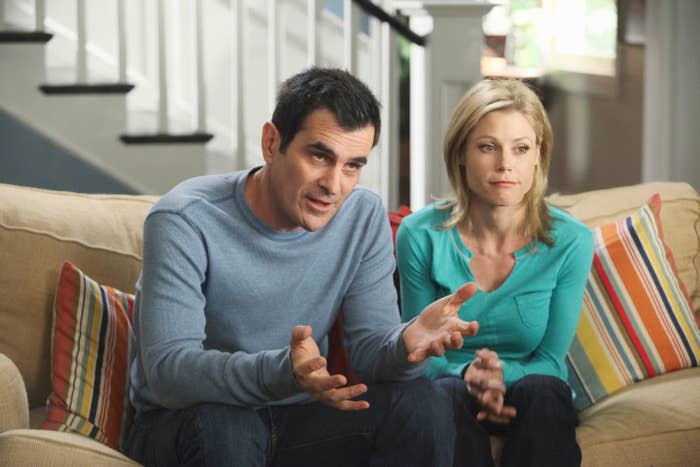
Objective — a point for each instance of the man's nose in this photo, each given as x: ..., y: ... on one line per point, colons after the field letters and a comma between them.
x: 331, y: 179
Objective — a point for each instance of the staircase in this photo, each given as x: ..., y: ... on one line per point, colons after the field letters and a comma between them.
x: 153, y: 92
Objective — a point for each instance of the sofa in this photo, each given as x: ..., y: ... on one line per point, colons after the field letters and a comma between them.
x: 653, y: 422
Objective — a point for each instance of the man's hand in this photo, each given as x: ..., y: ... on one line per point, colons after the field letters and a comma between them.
x: 484, y: 379
x: 310, y: 370
x: 438, y: 327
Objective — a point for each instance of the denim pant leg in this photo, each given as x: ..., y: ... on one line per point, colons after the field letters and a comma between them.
x: 472, y: 443
x: 408, y: 424
x: 544, y: 431
x: 203, y: 435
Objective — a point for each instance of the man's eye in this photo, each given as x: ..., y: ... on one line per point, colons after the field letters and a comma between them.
x: 318, y: 157
x: 353, y: 167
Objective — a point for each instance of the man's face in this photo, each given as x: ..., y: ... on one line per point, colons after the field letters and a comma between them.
x: 317, y: 171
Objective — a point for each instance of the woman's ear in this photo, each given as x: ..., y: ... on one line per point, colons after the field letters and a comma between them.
x: 270, y: 141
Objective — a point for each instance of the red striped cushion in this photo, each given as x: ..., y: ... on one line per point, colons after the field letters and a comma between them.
x: 636, y: 322
x: 90, y: 359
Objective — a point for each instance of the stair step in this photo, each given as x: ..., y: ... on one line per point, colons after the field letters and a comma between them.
x: 165, y: 138
x: 93, y: 88
x: 25, y: 36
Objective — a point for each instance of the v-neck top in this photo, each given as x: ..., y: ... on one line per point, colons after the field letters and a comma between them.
x: 530, y: 319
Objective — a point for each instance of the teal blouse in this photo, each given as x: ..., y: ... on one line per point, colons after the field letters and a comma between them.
x: 530, y: 320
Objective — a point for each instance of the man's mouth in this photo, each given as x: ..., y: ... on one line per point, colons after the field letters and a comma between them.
x: 320, y: 205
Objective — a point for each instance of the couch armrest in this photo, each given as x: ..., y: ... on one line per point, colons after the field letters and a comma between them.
x: 14, y: 408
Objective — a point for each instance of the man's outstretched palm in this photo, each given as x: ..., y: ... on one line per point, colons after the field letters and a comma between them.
x: 439, y: 327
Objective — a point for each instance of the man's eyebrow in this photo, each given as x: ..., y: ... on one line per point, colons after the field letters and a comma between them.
x: 319, y: 146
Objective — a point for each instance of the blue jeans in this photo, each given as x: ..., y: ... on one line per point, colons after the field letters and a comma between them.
x: 408, y: 424
x: 542, y: 434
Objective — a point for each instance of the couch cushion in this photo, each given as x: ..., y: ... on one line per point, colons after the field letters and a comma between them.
x: 636, y: 322
x: 680, y: 215
x: 41, y: 447
x: 90, y: 359
x: 655, y: 422
x: 39, y: 229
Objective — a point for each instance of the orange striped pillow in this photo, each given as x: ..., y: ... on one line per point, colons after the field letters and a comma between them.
x: 636, y: 321
x: 90, y: 359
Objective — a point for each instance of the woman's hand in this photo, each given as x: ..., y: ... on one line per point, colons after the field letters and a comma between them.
x: 484, y: 378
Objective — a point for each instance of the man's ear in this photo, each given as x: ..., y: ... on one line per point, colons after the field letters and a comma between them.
x: 270, y: 141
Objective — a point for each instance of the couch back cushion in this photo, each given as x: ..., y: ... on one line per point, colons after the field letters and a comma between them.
x: 680, y: 217
x: 39, y: 229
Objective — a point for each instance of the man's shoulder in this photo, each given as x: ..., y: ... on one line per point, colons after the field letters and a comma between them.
x: 207, y: 189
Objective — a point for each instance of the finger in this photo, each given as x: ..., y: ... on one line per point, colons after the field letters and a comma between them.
x: 323, y: 384
x: 456, y: 340
x: 342, y: 394
x: 495, y: 385
x: 299, y: 333
x: 309, y: 366
x: 417, y: 356
x: 460, y: 296
x: 497, y: 419
x: 350, y: 406
x: 436, y: 348
x: 509, y: 411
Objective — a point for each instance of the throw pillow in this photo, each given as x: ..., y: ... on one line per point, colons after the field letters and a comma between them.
x: 636, y: 322
x: 90, y: 359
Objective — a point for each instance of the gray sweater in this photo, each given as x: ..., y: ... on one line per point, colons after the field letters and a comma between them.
x: 220, y: 292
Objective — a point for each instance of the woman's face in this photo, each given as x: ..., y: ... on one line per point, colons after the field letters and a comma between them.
x: 500, y: 158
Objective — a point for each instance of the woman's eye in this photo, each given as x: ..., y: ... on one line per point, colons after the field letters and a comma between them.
x: 487, y: 147
x: 522, y: 149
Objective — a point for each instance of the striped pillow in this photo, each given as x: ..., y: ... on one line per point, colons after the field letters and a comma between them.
x: 90, y: 359
x: 636, y: 322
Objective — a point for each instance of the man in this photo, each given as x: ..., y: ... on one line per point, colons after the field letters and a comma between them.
x: 243, y: 275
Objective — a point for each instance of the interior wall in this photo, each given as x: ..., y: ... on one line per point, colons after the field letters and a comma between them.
x: 30, y: 159
x: 598, y: 136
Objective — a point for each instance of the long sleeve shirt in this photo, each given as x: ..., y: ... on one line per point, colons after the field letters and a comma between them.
x: 530, y: 319
x: 220, y: 292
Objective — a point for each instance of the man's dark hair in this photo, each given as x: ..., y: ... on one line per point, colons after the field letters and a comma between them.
x: 346, y: 97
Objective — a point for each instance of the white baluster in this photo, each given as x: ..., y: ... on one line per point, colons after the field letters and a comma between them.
x: 39, y: 14
x: 237, y: 72
x: 162, y: 71
x: 121, y: 40
x: 199, y: 51
x: 389, y: 137
x: 81, y: 52
x: 273, y: 53
x: 351, y: 26
x: 314, y: 11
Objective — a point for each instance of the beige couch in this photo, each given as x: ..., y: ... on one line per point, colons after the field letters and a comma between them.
x: 656, y: 422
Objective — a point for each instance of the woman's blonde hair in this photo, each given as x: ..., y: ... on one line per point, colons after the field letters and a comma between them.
x: 484, y: 97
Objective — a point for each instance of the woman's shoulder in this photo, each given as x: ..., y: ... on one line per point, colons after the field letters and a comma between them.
x: 567, y: 227
x: 428, y: 218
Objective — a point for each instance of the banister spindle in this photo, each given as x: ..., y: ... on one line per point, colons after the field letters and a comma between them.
x: 351, y: 27
x: 39, y: 14
x: 199, y: 51
x: 81, y: 52
x: 238, y: 73
x: 273, y: 52
x: 121, y: 40
x: 314, y: 10
x: 162, y: 71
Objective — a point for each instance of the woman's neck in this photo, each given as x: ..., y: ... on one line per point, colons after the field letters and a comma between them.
x: 494, y: 230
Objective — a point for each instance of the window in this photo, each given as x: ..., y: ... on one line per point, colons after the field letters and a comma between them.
x: 541, y: 36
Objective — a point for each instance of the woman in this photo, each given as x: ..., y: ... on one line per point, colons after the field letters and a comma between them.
x: 529, y: 262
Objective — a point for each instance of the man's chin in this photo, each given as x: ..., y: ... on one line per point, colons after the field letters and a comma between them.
x: 314, y: 222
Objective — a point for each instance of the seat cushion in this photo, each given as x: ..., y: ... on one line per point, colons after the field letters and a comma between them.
x: 654, y: 422
x: 30, y: 448
x: 39, y: 229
